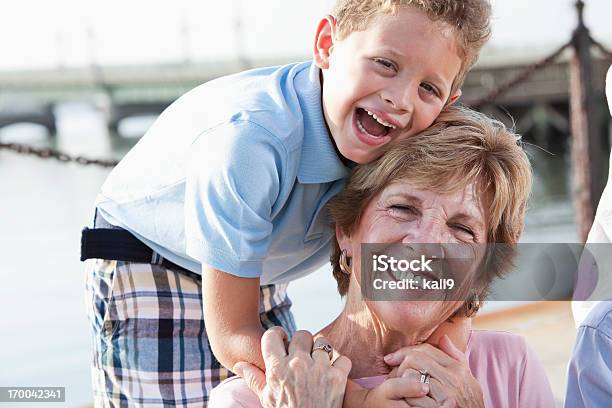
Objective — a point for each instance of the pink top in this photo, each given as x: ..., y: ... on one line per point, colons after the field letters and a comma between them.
x: 509, y: 372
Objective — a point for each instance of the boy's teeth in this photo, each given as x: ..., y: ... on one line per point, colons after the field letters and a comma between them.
x: 382, y: 122
x: 360, y: 126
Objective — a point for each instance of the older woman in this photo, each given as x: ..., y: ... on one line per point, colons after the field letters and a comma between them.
x: 463, y: 181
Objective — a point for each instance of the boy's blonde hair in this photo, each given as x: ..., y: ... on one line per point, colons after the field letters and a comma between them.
x: 468, y: 18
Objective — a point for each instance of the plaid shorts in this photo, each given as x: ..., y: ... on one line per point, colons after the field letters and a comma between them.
x: 149, y: 341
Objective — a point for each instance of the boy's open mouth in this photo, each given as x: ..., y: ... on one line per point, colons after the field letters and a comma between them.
x: 367, y: 122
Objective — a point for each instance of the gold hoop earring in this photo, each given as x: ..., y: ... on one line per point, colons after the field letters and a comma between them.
x: 472, y: 306
x: 344, y: 263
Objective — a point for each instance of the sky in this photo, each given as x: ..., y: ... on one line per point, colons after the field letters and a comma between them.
x: 48, y: 34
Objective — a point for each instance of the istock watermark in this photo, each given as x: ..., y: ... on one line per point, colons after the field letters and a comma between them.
x: 519, y: 272
x: 410, y: 267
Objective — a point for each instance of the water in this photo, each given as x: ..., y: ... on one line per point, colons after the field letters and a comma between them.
x: 43, y: 206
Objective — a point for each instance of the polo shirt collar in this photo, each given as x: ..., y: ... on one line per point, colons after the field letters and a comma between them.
x: 319, y: 162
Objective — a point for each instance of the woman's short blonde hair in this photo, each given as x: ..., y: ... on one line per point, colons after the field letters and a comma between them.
x: 461, y: 147
x: 470, y: 20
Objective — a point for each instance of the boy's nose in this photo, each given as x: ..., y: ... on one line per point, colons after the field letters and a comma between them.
x: 401, y: 99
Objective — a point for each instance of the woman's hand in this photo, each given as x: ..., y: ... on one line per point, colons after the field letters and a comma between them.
x: 295, y: 377
x: 451, y: 378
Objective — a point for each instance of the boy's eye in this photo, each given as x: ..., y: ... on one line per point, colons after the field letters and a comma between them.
x: 385, y: 63
x: 429, y: 88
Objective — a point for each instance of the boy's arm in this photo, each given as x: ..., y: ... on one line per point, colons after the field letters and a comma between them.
x: 232, y: 183
x: 391, y: 393
x: 231, y: 316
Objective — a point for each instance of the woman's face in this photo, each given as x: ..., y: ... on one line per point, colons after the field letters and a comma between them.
x: 405, y: 214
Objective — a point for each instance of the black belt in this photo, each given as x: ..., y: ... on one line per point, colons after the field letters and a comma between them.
x: 120, y: 245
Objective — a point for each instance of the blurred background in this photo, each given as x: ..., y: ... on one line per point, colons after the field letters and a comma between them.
x: 88, y: 78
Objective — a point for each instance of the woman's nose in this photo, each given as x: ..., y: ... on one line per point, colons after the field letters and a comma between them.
x: 429, y: 232
x: 429, y: 250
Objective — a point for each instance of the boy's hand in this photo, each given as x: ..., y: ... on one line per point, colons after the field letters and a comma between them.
x: 450, y: 375
x: 295, y: 377
x: 395, y: 392
x: 400, y: 392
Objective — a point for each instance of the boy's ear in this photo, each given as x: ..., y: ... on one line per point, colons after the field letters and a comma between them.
x: 454, y: 98
x: 324, y: 41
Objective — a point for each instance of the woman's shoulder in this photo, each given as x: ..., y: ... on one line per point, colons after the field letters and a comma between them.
x: 498, y: 348
x: 496, y: 341
x: 508, y: 369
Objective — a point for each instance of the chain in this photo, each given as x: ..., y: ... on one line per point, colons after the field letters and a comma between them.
x: 518, y: 78
x: 47, y: 153
x: 607, y: 53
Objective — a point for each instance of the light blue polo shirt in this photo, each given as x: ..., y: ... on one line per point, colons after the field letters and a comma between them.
x: 589, y: 375
x: 235, y: 174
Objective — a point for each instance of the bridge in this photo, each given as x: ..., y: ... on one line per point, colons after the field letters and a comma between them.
x: 539, y: 104
x: 122, y: 91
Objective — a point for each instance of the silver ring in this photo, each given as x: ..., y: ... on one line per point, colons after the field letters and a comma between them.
x: 424, y: 376
x: 326, y: 348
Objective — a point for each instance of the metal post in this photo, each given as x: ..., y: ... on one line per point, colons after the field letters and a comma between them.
x: 587, y: 161
x: 186, y: 37
x: 239, y: 33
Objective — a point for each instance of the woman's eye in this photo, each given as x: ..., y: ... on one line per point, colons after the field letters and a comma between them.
x: 429, y: 88
x: 385, y: 63
x: 404, y: 210
x: 466, y: 230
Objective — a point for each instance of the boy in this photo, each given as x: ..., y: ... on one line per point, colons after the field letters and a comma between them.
x: 229, y: 186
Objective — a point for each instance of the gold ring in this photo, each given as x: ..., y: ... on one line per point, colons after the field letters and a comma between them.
x: 326, y: 348
x: 424, y: 376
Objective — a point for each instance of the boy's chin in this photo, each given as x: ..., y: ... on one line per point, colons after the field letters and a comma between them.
x: 359, y: 156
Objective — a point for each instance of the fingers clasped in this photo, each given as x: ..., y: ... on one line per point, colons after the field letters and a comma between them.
x: 303, y: 372
x: 446, y: 369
